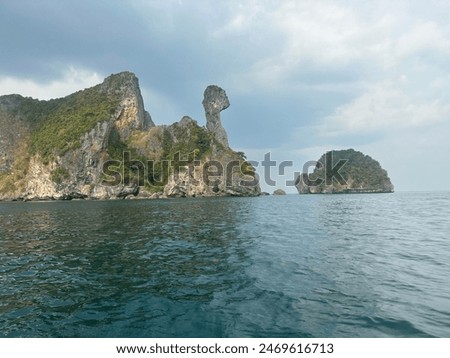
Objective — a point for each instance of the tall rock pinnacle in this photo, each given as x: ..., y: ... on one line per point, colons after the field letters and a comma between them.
x: 215, y: 100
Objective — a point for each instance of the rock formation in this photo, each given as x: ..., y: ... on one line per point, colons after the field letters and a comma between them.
x: 215, y: 100
x: 100, y: 143
x: 345, y: 171
x: 279, y: 192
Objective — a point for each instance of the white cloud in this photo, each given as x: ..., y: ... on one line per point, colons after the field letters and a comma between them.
x: 328, y: 37
x: 244, y: 18
x: 424, y: 36
x: 384, y: 106
x: 318, y: 31
x: 72, y: 80
x: 319, y: 35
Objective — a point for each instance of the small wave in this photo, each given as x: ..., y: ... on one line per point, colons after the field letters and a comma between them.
x: 394, y: 328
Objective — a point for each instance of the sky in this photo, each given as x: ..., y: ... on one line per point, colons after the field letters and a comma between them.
x: 303, y: 77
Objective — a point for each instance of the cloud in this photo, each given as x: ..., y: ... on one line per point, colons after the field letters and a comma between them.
x: 71, y: 80
x: 423, y: 36
x: 316, y: 35
x: 241, y: 18
x: 316, y: 42
x: 385, y: 107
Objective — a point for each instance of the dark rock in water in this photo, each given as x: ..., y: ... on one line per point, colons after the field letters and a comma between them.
x: 345, y: 172
x: 264, y: 193
x: 73, y: 196
x: 128, y: 190
x: 279, y: 192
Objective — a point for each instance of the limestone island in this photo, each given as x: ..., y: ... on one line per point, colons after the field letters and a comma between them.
x: 345, y: 172
x: 101, y: 143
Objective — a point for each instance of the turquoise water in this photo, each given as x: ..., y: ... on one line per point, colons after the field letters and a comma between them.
x: 287, y: 266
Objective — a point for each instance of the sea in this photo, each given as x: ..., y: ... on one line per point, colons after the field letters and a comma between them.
x: 361, y: 265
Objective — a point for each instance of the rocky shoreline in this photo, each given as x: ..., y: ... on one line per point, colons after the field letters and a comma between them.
x: 101, y: 143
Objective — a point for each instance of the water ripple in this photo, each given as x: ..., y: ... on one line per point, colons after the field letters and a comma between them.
x: 293, y: 266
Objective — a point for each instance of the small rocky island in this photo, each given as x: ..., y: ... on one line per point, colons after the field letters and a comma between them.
x: 101, y: 143
x: 345, y: 171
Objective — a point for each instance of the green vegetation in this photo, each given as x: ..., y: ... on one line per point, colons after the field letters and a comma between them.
x: 15, y: 180
x: 146, y: 158
x: 7, y: 184
x: 360, y: 171
x: 247, y: 169
x: 33, y: 109
x: 182, y: 143
x: 60, y: 123
x: 127, y: 161
x: 116, y: 147
x: 59, y: 175
x: 191, y: 141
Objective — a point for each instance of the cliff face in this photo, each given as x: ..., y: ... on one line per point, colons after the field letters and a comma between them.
x: 100, y: 143
x: 14, y: 130
x: 215, y: 100
x: 345, y: 171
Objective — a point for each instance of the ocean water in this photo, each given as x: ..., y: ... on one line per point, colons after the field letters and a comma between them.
x: 288, y: 266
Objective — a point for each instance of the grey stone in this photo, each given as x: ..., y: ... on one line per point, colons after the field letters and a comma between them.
x: 215, y: 100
